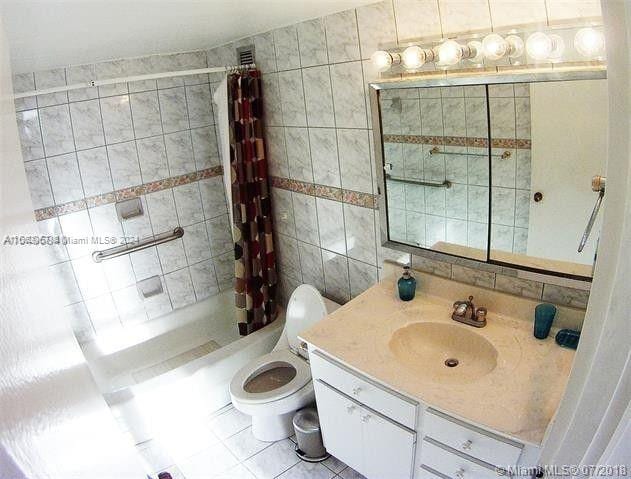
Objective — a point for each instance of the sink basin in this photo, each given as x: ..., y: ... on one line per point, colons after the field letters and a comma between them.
x: 443, y: 352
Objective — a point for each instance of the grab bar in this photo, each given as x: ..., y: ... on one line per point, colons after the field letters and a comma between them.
x: 435, y: 184
x: 598, y: 185
x: 128, y: 248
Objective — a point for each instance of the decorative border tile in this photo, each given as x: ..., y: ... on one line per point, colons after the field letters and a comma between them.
x: 125, y: 193
x: 356, y: 198
x: 511, y: 143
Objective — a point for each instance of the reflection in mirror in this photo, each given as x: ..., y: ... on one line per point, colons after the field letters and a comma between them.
x: 541, y: 196
x: 435, y: 146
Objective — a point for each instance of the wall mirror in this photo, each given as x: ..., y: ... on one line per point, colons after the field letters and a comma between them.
x: 498, y: 169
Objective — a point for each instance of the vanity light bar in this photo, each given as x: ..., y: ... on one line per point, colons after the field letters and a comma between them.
x: 539, y: 46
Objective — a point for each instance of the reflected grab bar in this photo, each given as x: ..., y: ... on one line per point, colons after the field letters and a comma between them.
x: 434, y: 184
x: 598, y: 184
x: 128, y: 248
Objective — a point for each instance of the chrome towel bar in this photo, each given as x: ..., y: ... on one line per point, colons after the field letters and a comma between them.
x: 128, y: 248
x: 434, y: 184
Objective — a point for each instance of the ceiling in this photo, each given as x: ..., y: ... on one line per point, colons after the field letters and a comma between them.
x: 44, y: 34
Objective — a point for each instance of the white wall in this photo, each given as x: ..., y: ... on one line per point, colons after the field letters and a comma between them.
x: 53, y: 421
x: 569, y: 146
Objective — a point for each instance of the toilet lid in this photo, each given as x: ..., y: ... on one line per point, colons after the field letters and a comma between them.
x: 305, y: 308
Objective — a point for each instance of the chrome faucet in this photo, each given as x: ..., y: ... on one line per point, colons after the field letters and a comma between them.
x: 466, y: 312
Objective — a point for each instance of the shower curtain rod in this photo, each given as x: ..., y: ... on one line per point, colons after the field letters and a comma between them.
x: 150, y: 76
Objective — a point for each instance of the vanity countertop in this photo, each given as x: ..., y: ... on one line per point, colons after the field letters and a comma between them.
x: 517, y: 398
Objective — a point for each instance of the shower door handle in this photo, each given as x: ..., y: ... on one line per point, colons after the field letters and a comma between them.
x: 598, y: 185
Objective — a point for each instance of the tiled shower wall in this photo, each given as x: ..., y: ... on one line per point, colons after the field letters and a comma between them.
x: 438, y: 134
x: 154, y: 140
x: 319, y: 136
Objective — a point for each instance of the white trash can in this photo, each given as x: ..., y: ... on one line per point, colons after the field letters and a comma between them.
x: 309, y: 446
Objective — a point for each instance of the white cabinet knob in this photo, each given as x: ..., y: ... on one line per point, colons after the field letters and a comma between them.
x: 365, y: 418
x: 356, y: 391
x: 466, y: 446
x: 350, y: 409
x: 459, y: 474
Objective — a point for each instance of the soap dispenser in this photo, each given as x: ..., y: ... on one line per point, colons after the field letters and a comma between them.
x: 407, y: 285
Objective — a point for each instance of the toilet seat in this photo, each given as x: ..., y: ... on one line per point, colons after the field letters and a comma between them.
x: 302, y: 378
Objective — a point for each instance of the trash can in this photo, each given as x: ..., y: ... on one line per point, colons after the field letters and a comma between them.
x: 309, y: 445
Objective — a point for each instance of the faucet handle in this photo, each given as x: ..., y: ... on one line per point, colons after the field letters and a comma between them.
x: 480, y: 314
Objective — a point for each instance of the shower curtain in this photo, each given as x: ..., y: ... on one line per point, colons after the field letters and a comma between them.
x: 255, y: 260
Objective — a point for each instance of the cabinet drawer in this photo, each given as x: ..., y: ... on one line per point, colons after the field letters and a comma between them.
x: 470, y: 440
x: 452, y: 465
x: 426, y: 473
x: 389, y: 403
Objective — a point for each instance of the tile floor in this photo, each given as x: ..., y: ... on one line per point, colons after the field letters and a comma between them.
x: 223, y: 447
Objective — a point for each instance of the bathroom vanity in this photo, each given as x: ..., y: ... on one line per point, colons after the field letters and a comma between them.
x: 391, y: 407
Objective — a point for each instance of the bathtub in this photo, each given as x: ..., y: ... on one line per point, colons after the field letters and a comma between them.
x: 175, y: 369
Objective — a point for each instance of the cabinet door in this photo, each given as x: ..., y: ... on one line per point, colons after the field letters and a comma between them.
x: 388, y: 447
x: 340, y: 424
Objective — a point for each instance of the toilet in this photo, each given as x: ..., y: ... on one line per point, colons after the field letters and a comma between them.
x: 273, y: 387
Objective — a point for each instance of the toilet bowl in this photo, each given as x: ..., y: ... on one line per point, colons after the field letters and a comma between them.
x: 273, y: 387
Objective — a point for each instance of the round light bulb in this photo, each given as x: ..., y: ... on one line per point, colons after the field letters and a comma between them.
x: 413, y: 57
x: 476, y: 51
x: 558, y: 47
x: 589, y: 42
x: 449, y: 52
x: 382, y: 60
x: 495, y: 47
x: 515, y: 46
x: 539, y: 46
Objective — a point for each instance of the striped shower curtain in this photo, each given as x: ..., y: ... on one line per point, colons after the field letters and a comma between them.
x: 255, y: 259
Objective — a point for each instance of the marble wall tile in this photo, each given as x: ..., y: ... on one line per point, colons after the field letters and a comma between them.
x: 311, y: 265
x: 522, y: 208
x: 30, y: 135
x: 199, y: 102
x: 523, y: 171
x: 326, y: 167
x: 331, y: 225
x: 145, y: 110
x: 454, y: 117
x: 503, y: 170
x: 105, y: 222
x: 461, y: 17
x: 188, y: 203
x: 478, y: 204
x: 292, y: 98
x: 478, y: 170
x: 456, y: 199
x: 205, y: 149
x: 484, y: 279
x: 342, y: 37
x: 179, y: 150
x: 124, y: 164
x: 306, y: 218
x: 224, y: 268
x: 153, y: 158
x: 522, y: 117
x: 432, y: 116
x: 377, y: 29
x: 359, y: 226
x: 397, y: 226
x: 146, y: 263
x: 502, y: 113
x: 67, y: 284
x: 312, y: 43
x: 503, y: 206
x: 271, y: 100
x: 119, y: 273
x: 80, y: 74
x: 23, y: 82
x: 87, y: 125
x: 435, y: 201
x: 477, y: 235
x: 434, y: 230
x: 112, y: 69
x: 413, y: 195
x: 286, y: 45
x: 336, y: 280
x: 354, y: 154
x: 213, y: 197
x: 362, y: 276
x: 77, y: 225
x: 520, y: 240
x: 416, y: 19
x: 476, y: 117
x: 415, y: 227
x: 505, y: 14
x: 180, y: 287
x: 173, y: 109
x: 283, y: 212
x: 276, y: 151
x: 576, y: 298
x: 220, y: 235
x: 161, y: 209
x: 456, y: 168
x: 64, y: 178
x: 559, y: 11
x: 196, y: 243
x: 56, y: 252
x: 298, y: 154
x: 265, y: 52
x: 502, y: 237
x: 39, y: 183
x: 56, y: 130
x: 456, y: 231
x: 348, y: 95
x: 288, y: 257
x: 518, y: 286
x: 139, y: 226
x: 204, y: 279
x: 50, y: 79
x: 117, y: 121
x: 318, y: 97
